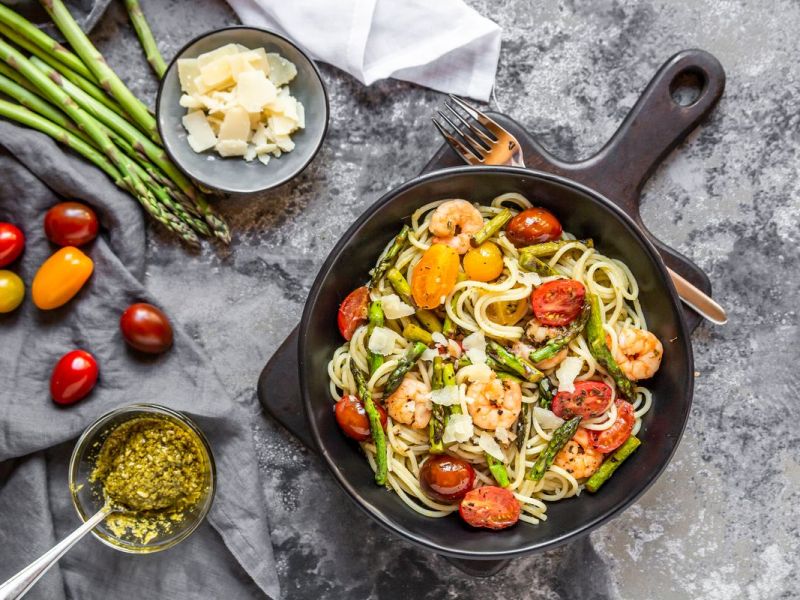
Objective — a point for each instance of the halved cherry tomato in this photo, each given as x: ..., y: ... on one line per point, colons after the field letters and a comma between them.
x: 491, y: 507
x: 590, y: 399
x: 70, y: 224
x: 446, y: 478
x: 146, y: 328
x: 484, y: 263
x: 612, y: 438
x: 12, y: 242
x: 60, y: 277
x: 507, y: 312
x: 352, y: 418
x: 12, y: 291
x: 353, y: 311
x: 73, y: 377
x: 533, y: 226
x: 434, y: 276
x: 557, y: 303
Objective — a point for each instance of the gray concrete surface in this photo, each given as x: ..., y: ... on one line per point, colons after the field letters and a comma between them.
x: 722, y: 522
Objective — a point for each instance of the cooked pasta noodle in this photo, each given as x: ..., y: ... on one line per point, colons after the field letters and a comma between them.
x: 472, y: 306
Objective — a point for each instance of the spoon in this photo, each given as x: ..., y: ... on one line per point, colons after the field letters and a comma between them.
x: 19, y: 584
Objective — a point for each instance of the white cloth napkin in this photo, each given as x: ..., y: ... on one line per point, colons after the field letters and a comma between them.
x: 440, y: 44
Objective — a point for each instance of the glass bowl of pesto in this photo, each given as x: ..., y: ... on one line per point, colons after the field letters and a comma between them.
x: 152, y: 463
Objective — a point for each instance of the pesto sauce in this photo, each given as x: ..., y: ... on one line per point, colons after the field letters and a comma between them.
x: 154, y: 467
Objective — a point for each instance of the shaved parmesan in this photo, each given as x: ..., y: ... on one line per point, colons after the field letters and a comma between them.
x: 475, y: 348
x: 394, y: 308
x: 241, y: 91
x: 429, y: 354
x: 201, y: 136
x: 546, y: 418
x: 188, y: 71
x: 231, y: 147
x: 439, y: 339
x: 447, y: 396
x: 566, y: 373
x: 489, y: 445
x: 235, y: 125
x: 504, y: 436
x: 281, y: 71
x: 254, y: 91
x: 381, y: 341
x: 476, y: 373
x: 458, y: 429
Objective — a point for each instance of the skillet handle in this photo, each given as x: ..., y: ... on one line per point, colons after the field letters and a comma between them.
x: 656, y: 124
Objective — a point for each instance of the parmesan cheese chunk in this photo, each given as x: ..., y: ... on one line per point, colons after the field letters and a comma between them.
x: 281, y: 71
x: 566, y: 373
x: 254, y: 91
x: 201, y: 136
x: 235, y: 125
x: 231, y: 148
x: 216, y: 75
x: 458, y: 429
x: 188, y: 71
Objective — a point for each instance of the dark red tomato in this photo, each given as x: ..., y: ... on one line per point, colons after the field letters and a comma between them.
x: 352, y: 418
x: 491, y: 507
x: 73, y: 377
x: 612, y: 438
x: 590, y: 399
x: 70, y: 224
x: 12, y: 241
x: 146, y: 328
x: 557, y: 303
x: 533, y: 226
x: 353, y: 311
x: 446, y: 478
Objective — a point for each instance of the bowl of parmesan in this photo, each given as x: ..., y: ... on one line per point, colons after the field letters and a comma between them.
x: 242, y: 110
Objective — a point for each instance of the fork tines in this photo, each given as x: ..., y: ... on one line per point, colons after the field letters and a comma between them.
x: 483, y: 128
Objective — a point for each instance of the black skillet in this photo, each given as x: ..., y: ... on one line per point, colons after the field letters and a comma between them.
x: 597, y: 198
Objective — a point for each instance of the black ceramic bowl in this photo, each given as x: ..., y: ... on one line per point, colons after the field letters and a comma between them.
x: 584, y: 213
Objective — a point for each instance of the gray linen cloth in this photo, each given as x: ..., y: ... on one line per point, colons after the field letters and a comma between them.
x: 37, y: 436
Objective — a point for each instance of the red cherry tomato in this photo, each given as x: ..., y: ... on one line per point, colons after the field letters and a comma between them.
x: 491, y: 507
x: 533, y: 226
x: 70, y: 224
x: 352, y: 418
x: 353, y: 312
x: 446, y: 478
x: 557, y: 303
x: 12, y: 241
x: 612, y: 438
x: 73, y: 377
x: 590, y: 399
x: 146, y: 328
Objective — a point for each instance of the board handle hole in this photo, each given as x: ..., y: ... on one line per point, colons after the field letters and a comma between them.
x: 687, y: 87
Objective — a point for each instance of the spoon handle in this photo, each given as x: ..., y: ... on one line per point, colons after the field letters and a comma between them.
x: 20, y: 583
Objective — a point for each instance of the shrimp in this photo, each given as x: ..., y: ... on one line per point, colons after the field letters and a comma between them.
x: 523, y: 350
x: 578, y: 456
x: 410, y: 404
x: 541, y: 334
x: 453, y: 222
x: 638, y: 353
x: 495, y: 403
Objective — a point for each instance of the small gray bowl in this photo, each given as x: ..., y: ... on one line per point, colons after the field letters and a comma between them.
x: 235, y: 174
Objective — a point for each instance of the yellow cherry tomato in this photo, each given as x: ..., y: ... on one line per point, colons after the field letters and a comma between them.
x: 12, y: 291
x: 60, y: 277
x: 484, y: 263
x: 508, y: 312
x: 434, y: 276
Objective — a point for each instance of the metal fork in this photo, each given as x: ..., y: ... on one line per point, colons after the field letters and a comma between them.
x: 481, y: 141
x: 496, y: 145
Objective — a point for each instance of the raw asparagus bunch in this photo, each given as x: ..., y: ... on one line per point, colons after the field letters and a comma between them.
x: 76, y: 99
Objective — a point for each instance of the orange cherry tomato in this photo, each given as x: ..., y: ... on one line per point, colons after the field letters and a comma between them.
x: 507, y: 312
x: 60, y: 277
x: 484, y: 263
x: 434, y: 276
